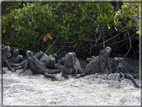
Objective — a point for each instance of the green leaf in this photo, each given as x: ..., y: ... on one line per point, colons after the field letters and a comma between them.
x: 105, y: 16
x: 115, y: 28
x: 96, y: 23
x: 66, y: 37
x: 12, y: 26
x: 137, y: 32
x: 80, y: 37
x: 75, y: 45
x: 100, y: 20
x: 23, y: 45
x: 57, y: 27
x: 111, y: 11
x: 81, y: 7
x: 98, y: 6
x: 101, y: 16
x: 81, y: 29
x: 86, y: 37
x: 68, y: 25
x: 137, y: 28
x: 24, y: 4
x: 104, y: 5
x: 108, y: 26
x: 85, y: 5
x: 129, y: 24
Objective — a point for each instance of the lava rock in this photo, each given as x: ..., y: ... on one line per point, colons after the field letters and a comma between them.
x: 114, y: 76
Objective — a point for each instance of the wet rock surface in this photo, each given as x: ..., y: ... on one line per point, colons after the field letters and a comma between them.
x: 95, y: 89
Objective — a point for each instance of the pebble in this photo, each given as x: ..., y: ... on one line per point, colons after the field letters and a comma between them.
x: 114, y: 76
x: 5, y: 69
x: 53, y: 102
x: 103, y: 76
x: 123, y: 100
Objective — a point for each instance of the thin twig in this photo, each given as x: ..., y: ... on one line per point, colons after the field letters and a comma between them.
x: 60, y: 49
x: 53, y: 9
x: 56, y: 7
x: 129, y: 43
x: 51, y: 46
x: 119, y: 41
x: 71, y: 42
x: 107, y: 40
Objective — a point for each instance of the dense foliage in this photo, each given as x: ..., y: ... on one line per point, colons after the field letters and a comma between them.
x: 80, y: 25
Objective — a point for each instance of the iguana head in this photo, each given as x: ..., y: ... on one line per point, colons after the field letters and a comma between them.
x: 108, y: 49
x: 69, y: 59
x: 6, y: 49
x: 29, y: 53
x: 52, y: 60
x: 16, y: 52
x: 105, y: 52
x: 2, y: 46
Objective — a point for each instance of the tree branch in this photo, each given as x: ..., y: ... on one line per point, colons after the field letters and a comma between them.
x: 51, y: 46
x: 129, y: 43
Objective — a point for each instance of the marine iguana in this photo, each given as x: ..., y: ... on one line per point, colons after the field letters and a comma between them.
x: 61, y: 58
x: 48, y: 61
x: 55, y: 56
x: 38, y: 55
x: 124, y: 72
x: 5, y: 52
x: 16, y: 58
x: 99, y: 63
x: 88, y: 60
x: 9, y: 55
x: 37, y: 67
x: 71, y: 66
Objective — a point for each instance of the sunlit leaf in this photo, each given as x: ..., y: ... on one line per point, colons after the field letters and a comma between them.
x: 137, y: 32
x: 108, y: 26
x: 45, y: 38
x: 49, y: 36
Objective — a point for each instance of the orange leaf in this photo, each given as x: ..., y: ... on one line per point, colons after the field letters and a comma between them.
x: 45, y: 38
x: 49, y: 36
x: 98, y: 17
x: 7, y: 8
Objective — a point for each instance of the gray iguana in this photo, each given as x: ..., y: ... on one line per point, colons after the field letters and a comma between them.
x: 71, y: 65
x: 37, y: 67
x: 125, y: 70
x: 99, y: 63
x: 38, y: 55
x: 16, y: 58
x: 5, y: 53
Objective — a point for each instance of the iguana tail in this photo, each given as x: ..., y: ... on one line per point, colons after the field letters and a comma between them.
x: 53, y: 71
x: 129, y: 76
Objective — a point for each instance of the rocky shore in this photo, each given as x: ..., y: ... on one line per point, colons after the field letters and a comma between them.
x: 27, y: 89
